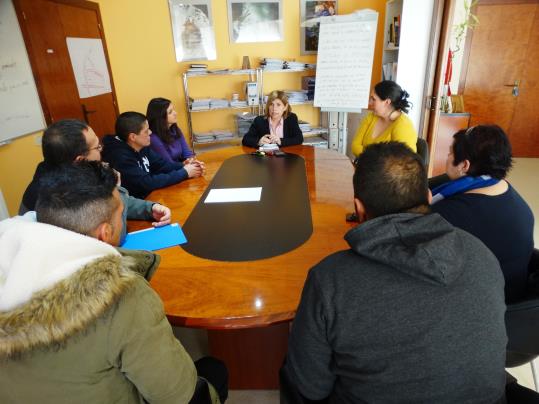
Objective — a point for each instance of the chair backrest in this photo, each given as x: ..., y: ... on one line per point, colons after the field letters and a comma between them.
x: 423, y: 150
x: 522, y: 325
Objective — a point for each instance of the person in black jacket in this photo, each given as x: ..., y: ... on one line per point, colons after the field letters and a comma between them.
x: 70, y: 140
x: 478, y: 199
x: 142, y: 169
x: 279, y: 125
x: 412, y: 312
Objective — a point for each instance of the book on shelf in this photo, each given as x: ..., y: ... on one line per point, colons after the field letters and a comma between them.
x: 197, y: 71
x: 316, y: 131
x: 396, y: 29
x: 238, y: 103
x: 218, y: 103
x: 243, y: 122
x: 389, y: 71
x: 213, y: 135
x: 199, y: 104
x: 198, y: 65
x: 272, y: 64
x: 309, y: 83
x: 218, y: 71
x: 304, y: 126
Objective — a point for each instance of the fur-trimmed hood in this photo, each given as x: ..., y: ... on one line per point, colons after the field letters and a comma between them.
x: 53, y: 284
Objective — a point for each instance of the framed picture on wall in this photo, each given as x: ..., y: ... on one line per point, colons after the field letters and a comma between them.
x: 255, y: 20
x: 192, y: 28
x: 313, y: 9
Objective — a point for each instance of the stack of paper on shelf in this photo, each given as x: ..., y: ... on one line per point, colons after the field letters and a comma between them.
x: 217, y: 103
x: 197, y: 68
x: 271, y: 64
x: 218, y: 71
x: 238, y: 103
x: 222, y: 134
x: 304, y: 126
x: 316, y: 131
x: 204, y: 137
x: 294, y: 65
x: 296, y: 96
x: 316, y: 142
x: 310, y: 65
x: 243, y: 122
x: 200, y: 104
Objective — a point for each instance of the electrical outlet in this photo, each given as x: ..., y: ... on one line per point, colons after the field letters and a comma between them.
x: 37, y: 140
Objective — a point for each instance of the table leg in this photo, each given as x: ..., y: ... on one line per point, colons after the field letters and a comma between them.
x: 253, y: 356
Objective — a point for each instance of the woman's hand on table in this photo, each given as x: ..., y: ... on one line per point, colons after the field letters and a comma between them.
x: 266, y: 139
x: 194, y: 169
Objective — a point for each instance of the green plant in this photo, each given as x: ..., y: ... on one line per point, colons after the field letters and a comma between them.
x: 470, y: 22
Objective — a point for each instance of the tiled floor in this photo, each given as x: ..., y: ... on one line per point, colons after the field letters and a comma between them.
x: 523, y: 177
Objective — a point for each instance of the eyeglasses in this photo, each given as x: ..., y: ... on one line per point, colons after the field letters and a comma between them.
x: 99, y: 148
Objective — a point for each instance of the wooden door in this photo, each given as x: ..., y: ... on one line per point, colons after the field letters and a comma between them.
x: 46, y: 24
x: 504, y: 50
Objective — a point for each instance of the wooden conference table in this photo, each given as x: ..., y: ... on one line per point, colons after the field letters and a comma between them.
x: 247, y: 306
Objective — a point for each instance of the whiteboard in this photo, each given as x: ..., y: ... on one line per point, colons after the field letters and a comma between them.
x: 20, y: 108
x: 344, y: 64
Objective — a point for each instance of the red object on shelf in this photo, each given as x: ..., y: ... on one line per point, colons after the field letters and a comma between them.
x: 449, y: 71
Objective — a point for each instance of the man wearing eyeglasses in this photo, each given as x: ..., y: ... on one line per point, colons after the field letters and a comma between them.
x: 71, y: 140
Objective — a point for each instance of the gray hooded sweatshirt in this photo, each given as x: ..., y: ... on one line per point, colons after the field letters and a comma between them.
x: 413, y: 312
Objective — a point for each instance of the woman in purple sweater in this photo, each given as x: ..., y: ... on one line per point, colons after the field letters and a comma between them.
x: 167, y: 139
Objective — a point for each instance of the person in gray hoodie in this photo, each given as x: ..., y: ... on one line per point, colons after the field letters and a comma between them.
x: 413, y: 312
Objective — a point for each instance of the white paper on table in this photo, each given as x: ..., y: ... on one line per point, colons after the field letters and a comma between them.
x: 220, y: 195
x: 89, y: 65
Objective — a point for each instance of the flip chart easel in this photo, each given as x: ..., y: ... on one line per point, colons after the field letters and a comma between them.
x: 344, y: 68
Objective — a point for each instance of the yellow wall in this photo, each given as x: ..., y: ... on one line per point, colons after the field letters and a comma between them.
x: 18, y: 161
x: 141, y: 51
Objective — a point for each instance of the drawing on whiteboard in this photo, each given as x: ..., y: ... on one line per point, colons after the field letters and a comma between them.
x: 89, y: 66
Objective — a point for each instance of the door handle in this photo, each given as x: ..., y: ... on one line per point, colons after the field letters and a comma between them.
x: 86, y: 112
x: 515, y: 91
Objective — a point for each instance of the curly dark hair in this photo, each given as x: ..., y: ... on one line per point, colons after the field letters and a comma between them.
x: 486, y: 147
x: 399, y: 97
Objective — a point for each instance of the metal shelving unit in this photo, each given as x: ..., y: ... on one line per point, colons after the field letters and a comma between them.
x: 253, y: 75
x: 314, y: 138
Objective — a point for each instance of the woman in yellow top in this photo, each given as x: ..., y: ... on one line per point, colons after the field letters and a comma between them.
x: 388, y: 120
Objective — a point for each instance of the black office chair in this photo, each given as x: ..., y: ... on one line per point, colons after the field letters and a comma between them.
x: 522, y: 325
x: 423, y: 150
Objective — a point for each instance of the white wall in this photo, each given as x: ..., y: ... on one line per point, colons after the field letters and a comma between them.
x: 416, y: 21
x: 458, y: 17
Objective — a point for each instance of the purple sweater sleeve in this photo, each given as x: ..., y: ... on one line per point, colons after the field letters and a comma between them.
x: 186, y: 151
x: 160, y: 148
x: 175, y: 152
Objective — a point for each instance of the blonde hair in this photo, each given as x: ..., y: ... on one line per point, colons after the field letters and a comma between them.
x: 280, y: 95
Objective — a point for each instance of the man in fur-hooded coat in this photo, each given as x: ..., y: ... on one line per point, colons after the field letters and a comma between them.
x: 78, y: 324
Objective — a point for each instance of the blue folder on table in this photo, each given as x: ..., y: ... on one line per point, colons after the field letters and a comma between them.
x: 155, y: 238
